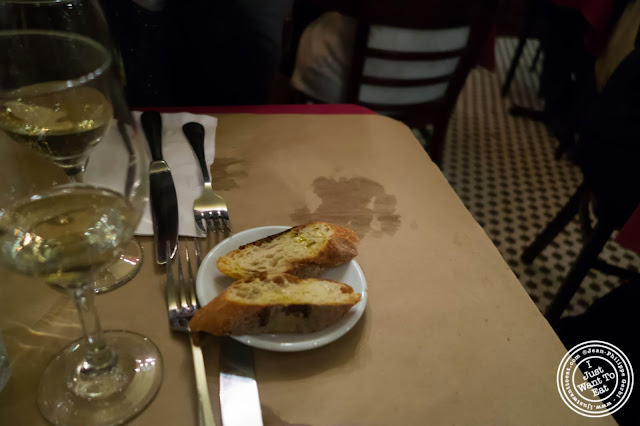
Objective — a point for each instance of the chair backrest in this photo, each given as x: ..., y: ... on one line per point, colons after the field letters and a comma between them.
x: 411, y: 57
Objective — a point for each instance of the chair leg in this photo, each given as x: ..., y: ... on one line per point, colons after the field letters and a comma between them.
x: 586, y: 259
x: 426, y: 135
x: 436, y: 143
x: 526, y: 31
x: 514, y: 63
x: 530, y: 113
x: 554, y: 227
x: 536, y: 58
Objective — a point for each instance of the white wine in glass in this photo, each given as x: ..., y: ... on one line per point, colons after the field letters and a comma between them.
x: 60, y: 124
x: 64, y: 233
x: 56, y: 110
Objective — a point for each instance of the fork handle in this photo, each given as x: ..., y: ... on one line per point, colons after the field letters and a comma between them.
x: 205, y: 412
x: 195, y: 135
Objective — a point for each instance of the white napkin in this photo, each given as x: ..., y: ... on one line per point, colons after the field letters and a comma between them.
x: 178, y: 154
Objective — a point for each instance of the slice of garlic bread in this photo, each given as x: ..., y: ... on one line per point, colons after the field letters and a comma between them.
x: 304, y: 251
x: 275, y: 303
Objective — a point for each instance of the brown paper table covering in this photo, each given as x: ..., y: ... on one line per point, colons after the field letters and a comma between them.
x: 449, y: 335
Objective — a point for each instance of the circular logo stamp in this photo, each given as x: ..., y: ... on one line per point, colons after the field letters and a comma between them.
x: 595, y: 378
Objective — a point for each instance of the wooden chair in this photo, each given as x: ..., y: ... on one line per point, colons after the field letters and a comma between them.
x: 411, y: 59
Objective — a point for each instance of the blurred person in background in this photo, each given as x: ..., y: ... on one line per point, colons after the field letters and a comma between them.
x: 198, y: 52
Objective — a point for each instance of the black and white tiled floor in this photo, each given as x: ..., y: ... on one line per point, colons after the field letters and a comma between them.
x: 504, y: 170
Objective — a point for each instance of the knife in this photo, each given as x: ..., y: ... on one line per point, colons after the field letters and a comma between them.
x: 239, y: 398
x: 164, y: 201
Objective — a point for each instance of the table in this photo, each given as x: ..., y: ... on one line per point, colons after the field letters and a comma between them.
x: 449, y: 335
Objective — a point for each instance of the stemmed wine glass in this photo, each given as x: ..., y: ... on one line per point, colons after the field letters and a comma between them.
x: 73, y: 182
x: 84, y: 17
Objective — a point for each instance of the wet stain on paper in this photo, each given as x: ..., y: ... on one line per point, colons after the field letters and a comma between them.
x: 226, y: 172
x: 357, y: 203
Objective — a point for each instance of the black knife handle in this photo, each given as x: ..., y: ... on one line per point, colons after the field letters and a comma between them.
x: 195, y: 135
x: 152, y: 127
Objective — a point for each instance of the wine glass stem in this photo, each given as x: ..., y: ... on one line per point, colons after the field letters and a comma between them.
x: 99, y: 357
x: 76, y: 173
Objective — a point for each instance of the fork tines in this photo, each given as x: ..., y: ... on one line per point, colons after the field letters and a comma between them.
x: 182, y: 302
x: 216, y: 220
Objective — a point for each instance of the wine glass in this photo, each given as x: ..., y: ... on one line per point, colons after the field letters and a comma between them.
x: 58, y: 113
x: 83, y: 17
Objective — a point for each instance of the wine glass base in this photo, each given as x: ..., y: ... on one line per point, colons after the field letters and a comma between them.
x: 122, y: 270
x: 69, y: 395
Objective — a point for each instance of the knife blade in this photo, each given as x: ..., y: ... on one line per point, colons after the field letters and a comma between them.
x: 239, y: 398
x: 164, y: 201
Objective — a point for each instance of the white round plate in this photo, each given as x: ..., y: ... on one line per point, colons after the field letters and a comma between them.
x: 210, y: 282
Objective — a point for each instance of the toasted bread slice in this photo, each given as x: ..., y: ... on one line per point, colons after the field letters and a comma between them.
x: 304, y: 251
x: 275, y: 303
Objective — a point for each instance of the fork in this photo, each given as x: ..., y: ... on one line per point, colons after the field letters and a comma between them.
x: 210, y: 209
x: 182, y: 303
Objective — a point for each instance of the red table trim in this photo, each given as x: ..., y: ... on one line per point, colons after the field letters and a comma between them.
x: 267, y: 109
x: 629, y: 235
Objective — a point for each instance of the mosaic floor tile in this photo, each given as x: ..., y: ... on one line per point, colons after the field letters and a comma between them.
x: 503, y: 168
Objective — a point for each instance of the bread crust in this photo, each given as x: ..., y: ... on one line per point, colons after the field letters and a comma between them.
x: 228, y: 316
x: 340, y: 248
